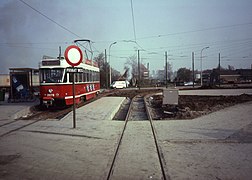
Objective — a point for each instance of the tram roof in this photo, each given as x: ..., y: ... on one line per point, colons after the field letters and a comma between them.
x: 62, y: 63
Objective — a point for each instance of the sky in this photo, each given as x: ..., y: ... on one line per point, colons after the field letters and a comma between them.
x: 30, y: 29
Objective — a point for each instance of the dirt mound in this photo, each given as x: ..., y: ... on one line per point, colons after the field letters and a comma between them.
x: 190, y: 107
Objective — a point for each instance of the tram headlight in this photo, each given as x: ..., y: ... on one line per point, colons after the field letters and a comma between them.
x: 50, y: 90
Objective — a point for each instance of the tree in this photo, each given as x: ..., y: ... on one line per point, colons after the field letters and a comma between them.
x: 131, y: 63
x: 184, y: 75
x: 169, y: 71
x: 115, y: 75
x: 104, y: 69
x: 125, y: 75
x: 231, y: 68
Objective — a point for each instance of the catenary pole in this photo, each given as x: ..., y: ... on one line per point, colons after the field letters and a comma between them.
x: 138, y: 58
x: 106, y: 70
x: 166, y: 70
x: 193, y: 78
x: 219, y: 68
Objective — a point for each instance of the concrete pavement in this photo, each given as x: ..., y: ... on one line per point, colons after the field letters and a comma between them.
x: 53, y: 148
x: 215, y: 146
x: 216, y: 92
x: 209, y: 147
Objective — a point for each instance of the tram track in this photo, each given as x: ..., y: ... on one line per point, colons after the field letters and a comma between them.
x: 21, y: 126
x: 40, y: 114
x: 160, y: 154
x: 138, y: 111
x: 5, y: 124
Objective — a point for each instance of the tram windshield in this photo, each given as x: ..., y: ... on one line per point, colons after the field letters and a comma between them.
x: 51, y: 75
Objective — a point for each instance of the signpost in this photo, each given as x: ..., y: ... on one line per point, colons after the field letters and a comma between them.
x: 73, y: 55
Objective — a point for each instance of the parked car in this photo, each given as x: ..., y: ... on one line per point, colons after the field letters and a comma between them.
x: 188, y: 84
x: 119, y: 84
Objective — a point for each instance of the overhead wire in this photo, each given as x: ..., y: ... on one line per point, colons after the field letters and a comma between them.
x: 194, y: 31
x: 50, y: 19
x: 174, y: 50
x: 133, y: 19
x: 58, y: 24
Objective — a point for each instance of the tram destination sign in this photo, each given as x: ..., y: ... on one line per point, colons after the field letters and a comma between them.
x: 74, y: 70
x: 51, y: 62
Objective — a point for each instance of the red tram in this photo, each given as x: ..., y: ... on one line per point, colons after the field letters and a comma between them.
x: 56, y: 81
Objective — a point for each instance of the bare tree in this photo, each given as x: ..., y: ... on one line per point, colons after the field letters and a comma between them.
x: 184, y: 75
x: 231, y: 68
x: 131, y: 63
x: 104, y: 66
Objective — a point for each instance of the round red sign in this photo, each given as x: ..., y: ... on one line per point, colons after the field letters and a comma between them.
x: 73, y: 55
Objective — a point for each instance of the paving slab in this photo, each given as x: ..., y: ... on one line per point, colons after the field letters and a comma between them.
x: 209, y: 147
x: 10, y: 111
x: 216, y: 92
x: 13, y: 125
x: 53, y: 148
x: 137, y: 157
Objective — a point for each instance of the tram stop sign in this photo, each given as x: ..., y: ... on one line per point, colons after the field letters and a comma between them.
x: 73, y: 55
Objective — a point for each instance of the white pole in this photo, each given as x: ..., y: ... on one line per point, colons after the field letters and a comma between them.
x: 201, y: 80
x: 109, y: 63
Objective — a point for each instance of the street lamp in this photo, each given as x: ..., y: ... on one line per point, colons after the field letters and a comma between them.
x: 201, y: 81
x: 109, y: 63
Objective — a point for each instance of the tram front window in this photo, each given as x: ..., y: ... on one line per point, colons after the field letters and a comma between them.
x: 51, y: 75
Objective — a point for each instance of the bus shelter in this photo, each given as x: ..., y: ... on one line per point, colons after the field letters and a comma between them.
x: 23, y: 83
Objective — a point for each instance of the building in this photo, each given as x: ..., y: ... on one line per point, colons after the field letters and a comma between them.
x: 230, y: 76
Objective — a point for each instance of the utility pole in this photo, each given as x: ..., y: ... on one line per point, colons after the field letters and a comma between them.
x: 219, y: 70
x: 110, y: 68
x: 201, y: 73
x: 193, y: 78
x: 106, y: 69
x: 59, y: 52
x: 166, y: 70
x: 138, y: 58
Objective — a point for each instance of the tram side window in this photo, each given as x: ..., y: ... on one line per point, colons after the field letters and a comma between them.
x: 91, y: 75
x: 76, y: 77
x: 80, y: 77
x: 70, y: 77
x: 88, y: 76
x: 96, y: 76
x: 84, y: 76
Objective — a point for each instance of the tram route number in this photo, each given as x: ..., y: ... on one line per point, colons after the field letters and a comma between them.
x: 74, y: 70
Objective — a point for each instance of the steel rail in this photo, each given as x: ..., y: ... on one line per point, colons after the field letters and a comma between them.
x: 5, y: 124
x: 21, y: 127
x: 160, y: 155
x: 120, y: 141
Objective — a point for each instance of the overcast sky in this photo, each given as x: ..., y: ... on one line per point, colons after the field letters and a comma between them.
x: 179, y: 27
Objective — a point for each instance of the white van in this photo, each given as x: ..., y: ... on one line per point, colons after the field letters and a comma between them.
x: 118, y: 84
